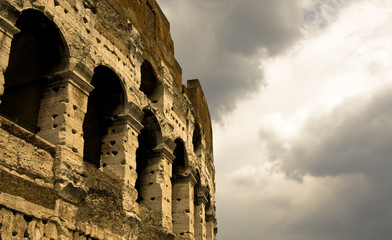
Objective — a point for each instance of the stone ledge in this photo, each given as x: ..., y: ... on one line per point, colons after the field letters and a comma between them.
x: 26, y: 135
x: 26, y: 207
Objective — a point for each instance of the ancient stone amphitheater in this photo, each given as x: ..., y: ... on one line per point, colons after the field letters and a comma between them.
x: 99, y: 139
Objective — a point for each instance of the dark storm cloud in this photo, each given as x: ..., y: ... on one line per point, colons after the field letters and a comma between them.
x: 355, y: 138
x: 221, y: 42
x: 352, y: 141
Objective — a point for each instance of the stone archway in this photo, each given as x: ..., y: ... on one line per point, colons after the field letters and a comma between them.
x: 38, y: 52
x: 105, y: 103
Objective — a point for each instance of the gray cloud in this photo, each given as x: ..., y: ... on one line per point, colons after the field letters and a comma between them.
x: 355, y: 138
x: 351, y: 144
x: 221, y: 42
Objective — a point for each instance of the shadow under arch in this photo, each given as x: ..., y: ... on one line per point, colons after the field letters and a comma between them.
x: 149, y: 139
x: 180, y: 162
x: 105, y: 103
x: 150, y: 84
x: 197, y: 140
x: 38, y: 52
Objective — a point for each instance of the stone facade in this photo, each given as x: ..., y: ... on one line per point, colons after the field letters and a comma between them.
x: 99, y: 139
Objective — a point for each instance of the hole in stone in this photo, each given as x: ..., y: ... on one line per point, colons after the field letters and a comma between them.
x: 98, y: 40
x: 123, y: 162
x: 14, y: 233
x: 113, y: 130
x: 108, y: 153
x: 1, y: 226
x: 178, y: 199
x: 56, y: 89
x: 74, y: 131
x: 65, y: 10
x: 182, y: 234
x: 187, y: 211
x: 28, y: 218
x: 85, y: 20
x: 54, y: 125
x: 87, y: 30
x: 104, y: 165
x: 56, y: 3
x: 74, y: 149
x: 152, y: 172
x: 76, y: 9
x: 153, y: 198
x: 75, y: 107
x: 150, y: 183
x: 130, y: 167
x: 114, y: 153
x: 54, y: 116
x: 112, y: 142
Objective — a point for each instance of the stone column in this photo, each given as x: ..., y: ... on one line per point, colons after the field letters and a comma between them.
x: 60, y: 121
x: 7, y: 32
x: 211, y: 227
x: 155, y: 183
x: 200, y: 213
x: 118, y: 157
x: 183, y: 206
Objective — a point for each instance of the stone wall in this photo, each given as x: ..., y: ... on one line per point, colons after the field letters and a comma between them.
x: 99, y: 139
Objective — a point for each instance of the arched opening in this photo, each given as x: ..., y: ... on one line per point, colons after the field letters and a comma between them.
x: 105, y: 103
x: 38, y: 51
x: 196, y: 139
x: 150, y: 84
x: 179, y: 161
x: 149, y: 138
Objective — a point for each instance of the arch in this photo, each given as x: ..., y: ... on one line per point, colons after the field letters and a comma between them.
x: 196, y: 139
x: 180, y: 161
x: 105, y: 103
x: 38, y: 52
x: 150, y: 85
x: 149, y: 138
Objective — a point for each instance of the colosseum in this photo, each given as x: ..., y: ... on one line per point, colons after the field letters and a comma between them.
x: 99, y: 138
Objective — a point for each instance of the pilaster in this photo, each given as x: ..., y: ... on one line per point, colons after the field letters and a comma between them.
x: 60, y: 121
x: 155, y: 183
x: 183, y: 206
x: 211, y: 229
x: 7, y: 32
x: 200, y: 213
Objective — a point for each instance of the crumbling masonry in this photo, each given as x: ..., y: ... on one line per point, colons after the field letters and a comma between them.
x: 99, y: 139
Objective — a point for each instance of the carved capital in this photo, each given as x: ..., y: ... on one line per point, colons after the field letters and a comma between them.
x: 7, y: 27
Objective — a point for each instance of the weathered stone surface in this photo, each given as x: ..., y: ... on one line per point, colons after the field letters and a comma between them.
x: 99, y: 139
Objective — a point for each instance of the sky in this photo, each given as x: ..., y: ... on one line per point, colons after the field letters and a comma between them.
x: 300, y: 92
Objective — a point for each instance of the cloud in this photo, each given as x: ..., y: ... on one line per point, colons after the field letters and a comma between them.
x: 309, y: 157
x: 222, y: 42
x: 348, y: 140
x: 341, y: 163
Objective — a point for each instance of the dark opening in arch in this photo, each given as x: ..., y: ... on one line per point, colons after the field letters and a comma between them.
x: 197, y: 187
x: 105, y: 103
x: 196, y: 139
x: 179, y: 162
x: 38, y: 51
x: 149, y: 138
x: 150, y: 84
